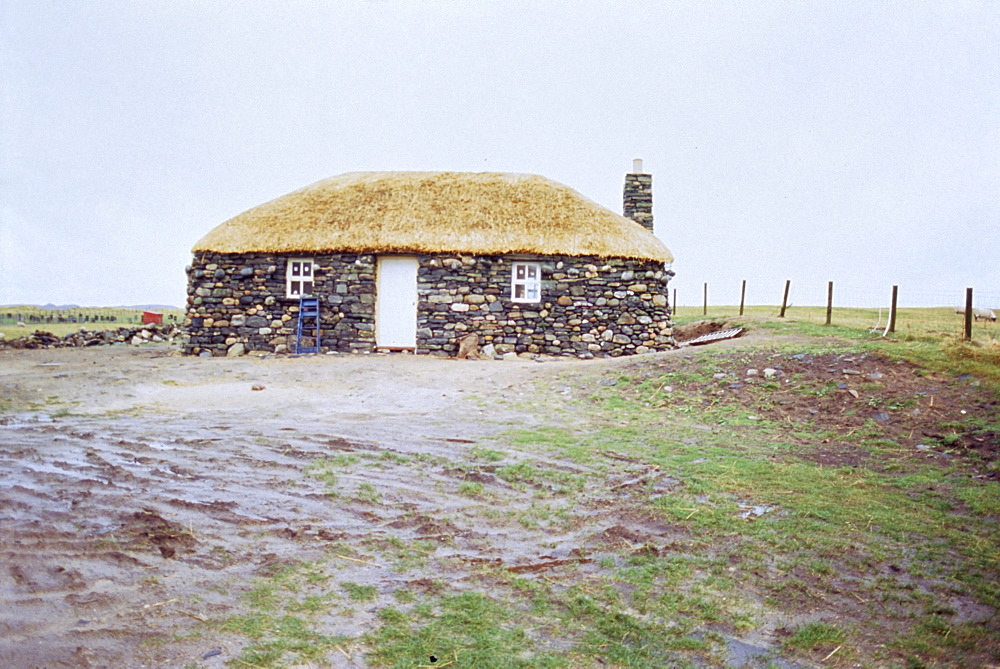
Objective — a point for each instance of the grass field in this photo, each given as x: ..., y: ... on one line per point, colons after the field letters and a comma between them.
x: 64, y: 321
x: 939, y: 322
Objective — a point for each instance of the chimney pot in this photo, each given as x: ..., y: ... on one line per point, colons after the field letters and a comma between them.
x: 637, y: 166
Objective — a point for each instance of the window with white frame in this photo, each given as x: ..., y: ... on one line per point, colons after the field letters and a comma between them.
x: 299, y: 277
x: 526, y: 282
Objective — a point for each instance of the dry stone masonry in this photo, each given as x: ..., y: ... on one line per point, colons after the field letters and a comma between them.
x: 141, y: 334
x: 610, y: 304
x: 237, y: 303
x: 637, y: 199
x: 589, y: 306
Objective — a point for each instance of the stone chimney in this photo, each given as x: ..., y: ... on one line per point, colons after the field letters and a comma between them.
x: 638, y: 196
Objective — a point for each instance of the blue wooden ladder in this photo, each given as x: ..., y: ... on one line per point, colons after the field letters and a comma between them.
x: 308, y: 319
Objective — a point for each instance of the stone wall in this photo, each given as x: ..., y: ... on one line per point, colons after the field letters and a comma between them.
x: 589, y: 307
x: 237, y: 303
x: 133, y: 334
x: 637, y: 199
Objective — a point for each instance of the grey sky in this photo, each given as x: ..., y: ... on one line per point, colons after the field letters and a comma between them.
x: 857, y: 142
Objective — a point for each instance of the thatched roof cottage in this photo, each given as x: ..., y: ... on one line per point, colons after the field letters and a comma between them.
x: 418, y: 260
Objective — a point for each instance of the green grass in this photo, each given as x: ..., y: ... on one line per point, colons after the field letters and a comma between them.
x: 280, y: 622
x: 471, y: 488
x: 466, y: 630
x: 823, y: 523
x: 849, y: 322
x: 360, y: 593
x: 521, y: 473
x: 275, y: 639
x: 480, y: 453
x: 368, y: 493
x: 624, y: 639
x: 815, y: 634
x: 867, y: 564
x: 930, y: 337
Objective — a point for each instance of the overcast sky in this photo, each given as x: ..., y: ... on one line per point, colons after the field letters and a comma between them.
x: 857, y: 142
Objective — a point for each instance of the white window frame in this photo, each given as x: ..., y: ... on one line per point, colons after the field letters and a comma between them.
x: 300, y: 277
x: 526, y: 282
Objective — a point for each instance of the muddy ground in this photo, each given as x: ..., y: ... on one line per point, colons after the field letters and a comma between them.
x: 143, y: 492
x: 142, y: 480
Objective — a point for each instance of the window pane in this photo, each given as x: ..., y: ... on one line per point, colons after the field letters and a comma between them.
x: 532, y: 271
x: 307, y: 287
x: 295, y: 288
x: 518, y: 291
x: 307, y: 269
x: 519, y: 271
x: 532, y: 292
x: 296, y: 269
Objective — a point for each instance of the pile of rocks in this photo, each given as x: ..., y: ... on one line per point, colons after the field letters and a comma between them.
x: 136, y: 335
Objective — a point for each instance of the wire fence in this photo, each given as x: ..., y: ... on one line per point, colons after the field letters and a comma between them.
x: 896, y: 309
x: 771, y: 293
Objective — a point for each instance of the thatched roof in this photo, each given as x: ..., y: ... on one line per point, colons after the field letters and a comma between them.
x: 435, y: 212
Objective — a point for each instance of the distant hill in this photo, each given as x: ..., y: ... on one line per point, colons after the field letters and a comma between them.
x: 64, y: 307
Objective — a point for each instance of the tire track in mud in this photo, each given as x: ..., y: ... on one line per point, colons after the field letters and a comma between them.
x: 141, y: 524
x: 105, y: 519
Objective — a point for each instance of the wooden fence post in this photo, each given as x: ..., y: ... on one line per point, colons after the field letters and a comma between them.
x: 892, y: 310
x: 743, y: 294
x: 704, y: 305
x: 675, y: 300
x: 968, y: 314
x: 784, y: 300
x: 829, y: 302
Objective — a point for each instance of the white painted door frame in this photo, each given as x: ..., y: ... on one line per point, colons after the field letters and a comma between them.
x: 396, y: 302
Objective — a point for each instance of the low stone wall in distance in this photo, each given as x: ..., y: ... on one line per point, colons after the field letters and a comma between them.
x: 134, y: 335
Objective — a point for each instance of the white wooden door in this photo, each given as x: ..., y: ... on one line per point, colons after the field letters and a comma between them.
x: 396, y: 302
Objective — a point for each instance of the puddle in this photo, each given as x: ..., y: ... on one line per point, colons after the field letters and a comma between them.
x: 743, y: 655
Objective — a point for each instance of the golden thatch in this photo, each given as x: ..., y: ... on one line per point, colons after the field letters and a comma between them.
x: 435, y: 212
